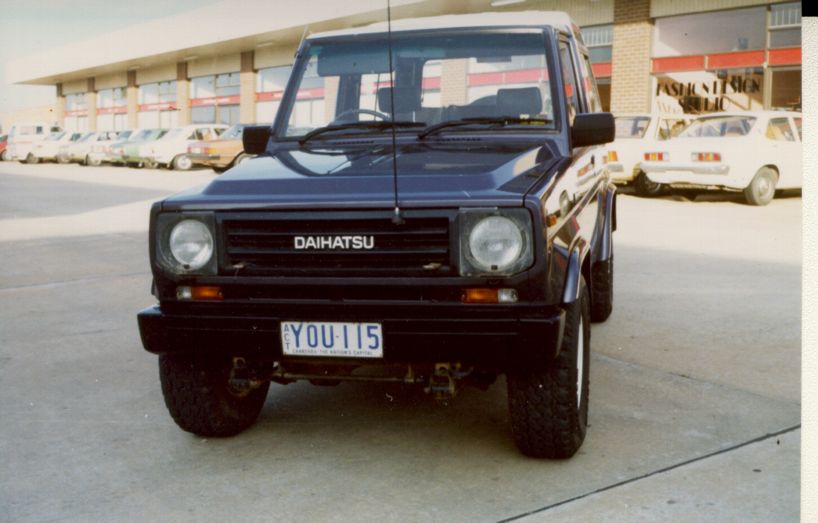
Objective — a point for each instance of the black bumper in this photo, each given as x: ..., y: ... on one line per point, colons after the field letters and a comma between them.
x: 411, y: 335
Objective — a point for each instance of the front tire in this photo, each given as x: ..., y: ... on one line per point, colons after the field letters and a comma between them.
x: 182, y: 163
x: 31, y: 159
x: 548, y: 403
x: 4, y: 156
x: 201, y: 399
x: 761, y: 190
x: 645, y: 187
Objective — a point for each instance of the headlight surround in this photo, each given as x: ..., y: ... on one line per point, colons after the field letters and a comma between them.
x: 185, y: 243
x: 495, y: 242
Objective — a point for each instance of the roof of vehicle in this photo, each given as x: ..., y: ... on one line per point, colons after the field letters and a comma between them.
x: 513, y: 19
x: 768, y: 113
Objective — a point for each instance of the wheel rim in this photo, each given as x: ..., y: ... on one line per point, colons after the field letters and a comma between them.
x: 580, y: 362
x: 183, y: 163
x: 764, y: 186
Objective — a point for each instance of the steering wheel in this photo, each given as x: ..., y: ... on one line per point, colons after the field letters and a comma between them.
x: 342, y: 117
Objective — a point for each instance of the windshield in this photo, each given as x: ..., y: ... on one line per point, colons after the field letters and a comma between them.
x: 719, y: 126
x: 53, y: 137
x: 148, y: 134
x: 631, y: 126
x: 123, y: 135
x: 438, y: 78
x: 179, y: 132
x: 233, y: 133
x: 87, y: 137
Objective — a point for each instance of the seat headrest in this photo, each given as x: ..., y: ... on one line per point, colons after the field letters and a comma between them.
x: 407, y: 99
x: 517, y: 102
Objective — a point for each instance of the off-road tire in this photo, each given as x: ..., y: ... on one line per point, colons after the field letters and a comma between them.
x: 761, y: 190
x: 182, y: 162
x: 602, y: 289
x: 647, y: 188
x: 547, y: 420
x: 200, y: 399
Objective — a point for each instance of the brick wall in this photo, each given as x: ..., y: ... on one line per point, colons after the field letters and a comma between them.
x: 630, y: 77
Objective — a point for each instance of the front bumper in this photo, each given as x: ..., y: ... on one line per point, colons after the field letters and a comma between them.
x: 493, y: 336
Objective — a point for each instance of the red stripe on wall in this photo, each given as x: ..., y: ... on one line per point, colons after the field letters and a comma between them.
x: 673, y: 64
x: 737, y: 59
x: 120, y: 109
x: 602, y: 69
x: 272, y: 96
x: 789, y: 56
x: 216, y: 100
x: 164, y: 106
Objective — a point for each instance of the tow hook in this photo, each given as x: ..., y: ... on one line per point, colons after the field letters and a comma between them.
x: 241, y: 379
x: 443, y: 382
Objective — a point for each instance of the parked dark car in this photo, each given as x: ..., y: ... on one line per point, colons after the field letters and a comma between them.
x: 438, y: 216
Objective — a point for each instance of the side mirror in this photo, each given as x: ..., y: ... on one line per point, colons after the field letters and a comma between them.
x: 255, y: 138
x: 592, y: 129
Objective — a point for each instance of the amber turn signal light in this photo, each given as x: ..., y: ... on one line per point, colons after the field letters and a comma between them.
x: 199, y: 293
x: 489, y: 296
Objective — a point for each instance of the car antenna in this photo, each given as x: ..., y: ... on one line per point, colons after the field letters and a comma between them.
x: 397, y: 219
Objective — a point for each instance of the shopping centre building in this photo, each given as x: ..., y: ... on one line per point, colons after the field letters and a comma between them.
x: 228, y: 62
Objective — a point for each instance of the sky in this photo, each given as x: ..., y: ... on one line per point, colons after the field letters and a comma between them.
x: 30, y: 26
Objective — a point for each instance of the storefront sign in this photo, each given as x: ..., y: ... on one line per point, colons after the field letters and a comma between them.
x: 706, y: 92
x: 219, y: 100
x: 164, y: 106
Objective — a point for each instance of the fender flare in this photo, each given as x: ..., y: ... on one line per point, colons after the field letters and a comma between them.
x: 608, y: 226
x: 579, y: 252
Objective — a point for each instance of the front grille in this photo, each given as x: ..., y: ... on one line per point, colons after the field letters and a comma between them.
x: 264, y: 245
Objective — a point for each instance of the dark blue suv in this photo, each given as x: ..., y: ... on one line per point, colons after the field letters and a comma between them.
x: 431, y: 206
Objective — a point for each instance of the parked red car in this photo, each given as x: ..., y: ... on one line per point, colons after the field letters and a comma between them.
x: 4, y: 140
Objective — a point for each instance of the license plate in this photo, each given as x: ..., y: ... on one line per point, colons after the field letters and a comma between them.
x: 343, y: 340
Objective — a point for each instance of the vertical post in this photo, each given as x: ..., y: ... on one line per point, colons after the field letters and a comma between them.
x: 132, y: 94
x: 247, y: 89
x: 631, y: 75
x: 91, y: 101
x: 182, y: 93
x: 59, y: 107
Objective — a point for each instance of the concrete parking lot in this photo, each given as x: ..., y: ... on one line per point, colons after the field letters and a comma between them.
x: 695, y: 385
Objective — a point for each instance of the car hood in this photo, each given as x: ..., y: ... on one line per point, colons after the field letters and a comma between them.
x: 429, y: 174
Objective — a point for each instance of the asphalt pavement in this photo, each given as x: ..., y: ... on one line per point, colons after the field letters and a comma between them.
x: 694, y: 403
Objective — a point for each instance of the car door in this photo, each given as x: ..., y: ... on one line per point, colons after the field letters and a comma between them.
x: 784, y: 147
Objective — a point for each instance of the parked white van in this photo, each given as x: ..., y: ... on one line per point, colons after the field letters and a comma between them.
x: 23, y: 137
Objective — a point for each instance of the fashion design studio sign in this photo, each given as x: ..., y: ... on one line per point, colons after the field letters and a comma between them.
x: 707, y: 92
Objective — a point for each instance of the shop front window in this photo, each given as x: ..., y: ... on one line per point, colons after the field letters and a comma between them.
x: 785, y: 25
x: 599, y: 41
x: 713, y: 32
x: 785, y: 89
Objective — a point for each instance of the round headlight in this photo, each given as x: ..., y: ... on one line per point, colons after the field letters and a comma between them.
x: 191, y: 244
x: 495, y: 243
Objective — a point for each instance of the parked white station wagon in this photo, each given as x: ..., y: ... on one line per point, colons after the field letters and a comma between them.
x: 171, y: 149
x: 756, y: 153
x: 636, y: 134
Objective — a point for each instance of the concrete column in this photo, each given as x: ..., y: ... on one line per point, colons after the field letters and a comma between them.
x: 247, y: 89
x: 453, y: 87
x: 182, y: 93
x: 132, y: 94
x: 59, y: 107
x: 630, y: 78
x: 91, y: 101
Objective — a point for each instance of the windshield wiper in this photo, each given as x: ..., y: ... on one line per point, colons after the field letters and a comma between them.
x: 487, y: 120
x: 378, y: 126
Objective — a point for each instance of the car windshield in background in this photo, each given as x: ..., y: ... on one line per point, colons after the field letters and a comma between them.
x: 53, y: 137
x: 233, y: 133
x: 631, y: 127
x: 348, y: 84
x: 87, y: 137
x: 123, y: 135
x: 719, y: 126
